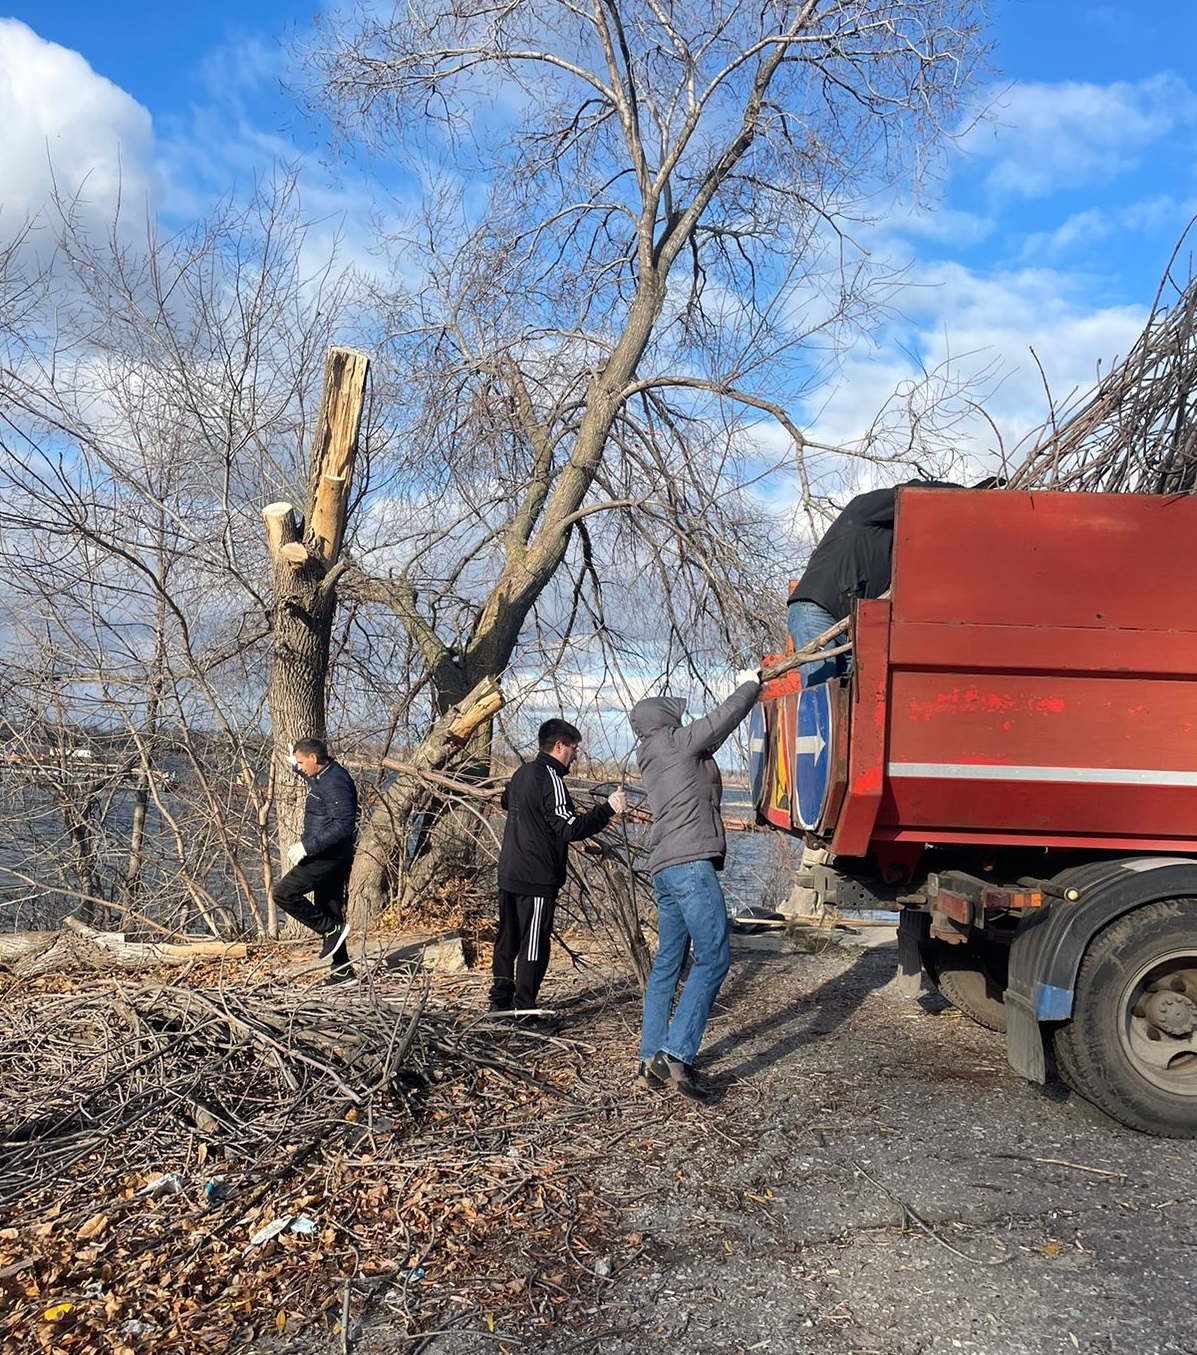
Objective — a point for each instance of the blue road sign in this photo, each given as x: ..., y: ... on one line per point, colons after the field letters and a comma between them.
x: 811, y: 744
x: 758, y: 748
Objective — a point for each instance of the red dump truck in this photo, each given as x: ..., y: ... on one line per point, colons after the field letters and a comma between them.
x: 1012, y: 765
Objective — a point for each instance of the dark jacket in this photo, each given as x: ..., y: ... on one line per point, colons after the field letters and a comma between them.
x: 330, y: 813
x: 541, y: 823
x: 681, y: 776
x: 855, y: 557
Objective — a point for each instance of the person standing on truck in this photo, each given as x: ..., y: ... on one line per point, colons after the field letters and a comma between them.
x: 853, y: 560
x: 541, y: 823
x: 323, y: 857
x: 687, y: 849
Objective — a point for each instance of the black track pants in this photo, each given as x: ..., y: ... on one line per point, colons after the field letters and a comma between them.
x: 521, y: 948
x: 325, y: 881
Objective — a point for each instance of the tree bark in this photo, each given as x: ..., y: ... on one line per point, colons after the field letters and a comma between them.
x: 28, y: 954
x: 306, y: 557
x: 383, y: 835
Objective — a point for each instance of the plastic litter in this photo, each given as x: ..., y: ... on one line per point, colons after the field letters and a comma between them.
x: 270, y: 1230
x: 170, y: 1184
x: 289, y: 1223
x: 216, y: 1192
x: 412, y: 1274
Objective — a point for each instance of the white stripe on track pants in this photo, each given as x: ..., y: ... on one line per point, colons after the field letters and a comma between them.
x: 521, y: 948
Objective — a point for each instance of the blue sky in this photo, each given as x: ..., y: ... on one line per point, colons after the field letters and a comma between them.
x: 1051, y: 226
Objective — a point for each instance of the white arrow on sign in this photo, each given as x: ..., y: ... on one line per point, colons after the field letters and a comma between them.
x: 810, y: 745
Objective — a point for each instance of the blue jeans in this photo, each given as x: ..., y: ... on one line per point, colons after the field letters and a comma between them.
x: 806, y: 621
x: 690, y: 909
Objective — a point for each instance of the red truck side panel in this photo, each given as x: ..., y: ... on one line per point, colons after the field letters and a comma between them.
x: 1009, y: 558
x: 1087, y: 756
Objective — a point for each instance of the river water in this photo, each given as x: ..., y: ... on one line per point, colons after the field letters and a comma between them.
x: 39, y: 885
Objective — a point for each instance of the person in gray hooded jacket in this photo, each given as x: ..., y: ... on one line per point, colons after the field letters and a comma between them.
x: 684, y: 787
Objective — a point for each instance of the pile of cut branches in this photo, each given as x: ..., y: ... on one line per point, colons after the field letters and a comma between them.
x: 1135, y: 431
x: 186, y: 1168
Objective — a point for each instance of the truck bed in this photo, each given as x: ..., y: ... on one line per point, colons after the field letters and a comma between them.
x: 1031, y: 681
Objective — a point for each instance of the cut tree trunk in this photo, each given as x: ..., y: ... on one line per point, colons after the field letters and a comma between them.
x: 448, y: 847
x: 306, y: 553
x: 27, y: 954
x: 385, y: 831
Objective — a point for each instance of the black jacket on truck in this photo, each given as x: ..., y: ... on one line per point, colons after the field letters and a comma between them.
x: 854, y: 558
x: 541, y: 823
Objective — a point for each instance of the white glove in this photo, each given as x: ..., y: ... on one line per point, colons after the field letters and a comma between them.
x: 296, y: 852
x: 618, y: 800
x: 748, y: 675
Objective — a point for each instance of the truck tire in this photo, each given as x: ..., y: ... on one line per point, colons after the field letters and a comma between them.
x: 972, y: 976
x: 1131, y: 1045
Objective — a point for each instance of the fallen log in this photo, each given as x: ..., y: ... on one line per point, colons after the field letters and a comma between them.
x: 28, y: 954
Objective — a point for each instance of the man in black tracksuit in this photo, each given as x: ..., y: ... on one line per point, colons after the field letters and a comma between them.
x: 323, y: 858
x: 541, y: 823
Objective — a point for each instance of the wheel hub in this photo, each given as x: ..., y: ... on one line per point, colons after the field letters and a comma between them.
x: 1159, y: 1025
x: 1170, y: 1013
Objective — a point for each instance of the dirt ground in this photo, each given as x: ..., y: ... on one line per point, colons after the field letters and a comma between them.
x: 872, y: 1179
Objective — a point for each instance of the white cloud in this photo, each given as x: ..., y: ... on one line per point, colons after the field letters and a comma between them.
x: 1088, y: 233
x: 996, y: 330
x: 1043, y: 137
x: 66, y: 130
x: 1079, y: 232
x: 941, y: 224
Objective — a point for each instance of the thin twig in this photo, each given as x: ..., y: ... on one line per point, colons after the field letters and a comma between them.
x: 1060, y: 1162
x: 911, y: 1214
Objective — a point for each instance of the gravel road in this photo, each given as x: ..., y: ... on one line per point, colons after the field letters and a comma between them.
x: 872, y: 1180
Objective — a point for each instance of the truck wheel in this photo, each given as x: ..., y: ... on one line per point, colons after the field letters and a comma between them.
x: 1131, y: 1046
x: 972, y: 976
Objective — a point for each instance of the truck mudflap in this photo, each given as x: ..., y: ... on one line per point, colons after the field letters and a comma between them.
x: 1047, y: 950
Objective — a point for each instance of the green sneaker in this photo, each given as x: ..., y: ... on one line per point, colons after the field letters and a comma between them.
x: 333, y: 939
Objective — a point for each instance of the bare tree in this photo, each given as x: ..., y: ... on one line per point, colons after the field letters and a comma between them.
x: 637, y: 257
x: 307, y: 562
x: 622, y: 276
x: 152, y: 399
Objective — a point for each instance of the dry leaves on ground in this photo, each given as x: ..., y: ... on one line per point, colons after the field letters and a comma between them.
x: 193, y: 1166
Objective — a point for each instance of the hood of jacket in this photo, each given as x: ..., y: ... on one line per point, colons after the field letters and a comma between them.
x: 656, y: 712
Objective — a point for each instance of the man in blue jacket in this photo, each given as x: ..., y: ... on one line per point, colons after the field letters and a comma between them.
x: 322, y: 859
x: 687, y: 848
x: 541, y: 823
